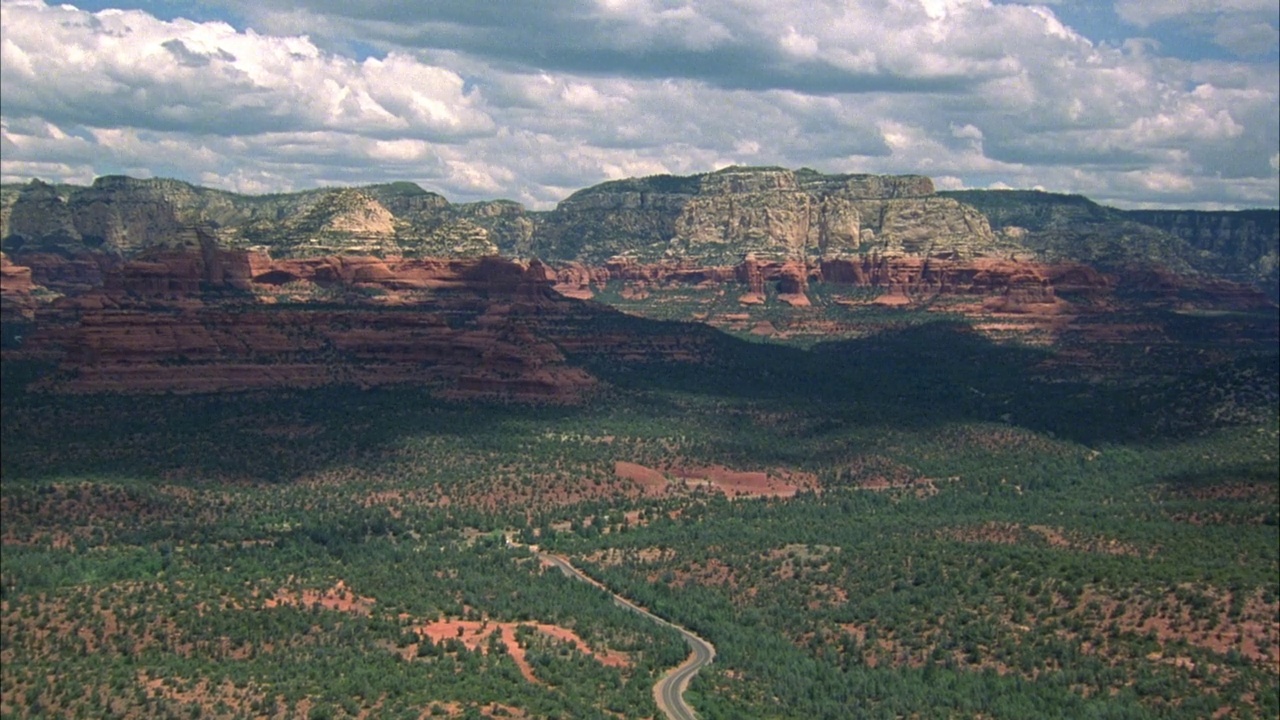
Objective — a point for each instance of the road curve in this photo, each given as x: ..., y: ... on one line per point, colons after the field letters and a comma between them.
x: 669, y: 691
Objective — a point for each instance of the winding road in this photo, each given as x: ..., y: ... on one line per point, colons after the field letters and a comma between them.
x: 669, y: 691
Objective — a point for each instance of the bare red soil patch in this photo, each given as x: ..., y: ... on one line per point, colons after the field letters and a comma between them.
x: 735, y: 483
x: 732, y: 483
x: 476, y: 634
x: 653, y: 482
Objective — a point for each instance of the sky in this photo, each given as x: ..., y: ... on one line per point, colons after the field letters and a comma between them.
x: 1134, y: 103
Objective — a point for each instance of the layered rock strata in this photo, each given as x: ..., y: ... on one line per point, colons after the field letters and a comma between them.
x: 186, y: 321
x: 722, y: 216
x: 194, y: 317
x: 713, y: 219
x: 151, y: 286
x: 120, y: 215
x: 16, y: 289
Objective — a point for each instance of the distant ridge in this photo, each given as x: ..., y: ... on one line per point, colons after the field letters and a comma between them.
x: 709, y: 218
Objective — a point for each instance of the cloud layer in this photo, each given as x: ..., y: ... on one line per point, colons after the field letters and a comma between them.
x: 532, y: 100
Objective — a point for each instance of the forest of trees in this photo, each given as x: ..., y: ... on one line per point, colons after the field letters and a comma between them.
x: 970, y: 538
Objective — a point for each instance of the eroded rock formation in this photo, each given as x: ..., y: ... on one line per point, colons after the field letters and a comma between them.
x: 16, y: 288
x: 204, y: 319
x: 710, y: 220
x: 719, y: 217
x: 157, y: 285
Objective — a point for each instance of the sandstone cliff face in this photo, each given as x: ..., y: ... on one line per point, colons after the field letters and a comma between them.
x: 123, y: 215
x: 1016, y: 286
x: 16, y: 288
x: 719, y: 217
x: 764, y: 211
x: 595, y: 224
x: 351, y: 211
x: 200, y: 318
x: 930, y: 227
x: 202, y: 348
x: 1017, y: 281
x: 126, y: 216
x: 661, y: 229
x: 68, y: 274
x: 188, y: 264
x: 508, y: 225
x: 343, y: 220
x: 714, y: 219
x: 193, y: 316
x: 115, y: 214
x: 15, y: 278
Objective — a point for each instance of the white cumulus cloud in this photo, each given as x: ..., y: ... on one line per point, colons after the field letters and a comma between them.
x: 535, y: 99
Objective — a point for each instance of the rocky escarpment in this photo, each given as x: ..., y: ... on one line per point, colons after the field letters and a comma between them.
x: 394, y: 219
x: 115, y: 214
x: 720, y: 217
x: 39, y: 215
x: 193, y: 316
x: 663, y: 226
x: 124, y: 216
x: 1239, y: 245
x: 16, y: 290
x: 1051, y: 227
x: 159, y: 286
x: 200, y: 318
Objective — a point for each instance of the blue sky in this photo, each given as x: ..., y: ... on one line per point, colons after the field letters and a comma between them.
x: 1133, y: 102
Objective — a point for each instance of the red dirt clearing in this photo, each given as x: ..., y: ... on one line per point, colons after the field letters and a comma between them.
x: 653, y: 482
x: 475, y: 635
x: 733, y: 483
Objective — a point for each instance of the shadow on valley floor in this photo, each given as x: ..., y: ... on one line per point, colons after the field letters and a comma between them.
x: 944, y: 372
x: 913, y: 379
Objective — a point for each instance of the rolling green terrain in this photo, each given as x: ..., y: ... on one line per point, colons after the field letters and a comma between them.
x: 968, y: 528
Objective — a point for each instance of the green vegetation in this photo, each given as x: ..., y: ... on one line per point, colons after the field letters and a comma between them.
x: 1241, y: 245
x: 974, y: 531
x: 666, y: 184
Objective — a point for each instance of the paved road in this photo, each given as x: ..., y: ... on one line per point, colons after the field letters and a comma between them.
x: 669, y: 691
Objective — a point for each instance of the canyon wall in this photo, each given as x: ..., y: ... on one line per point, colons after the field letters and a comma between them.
x: 207, y: 319
x: 720, y: 217
x: 160, y: 286
x: 711, y: 219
